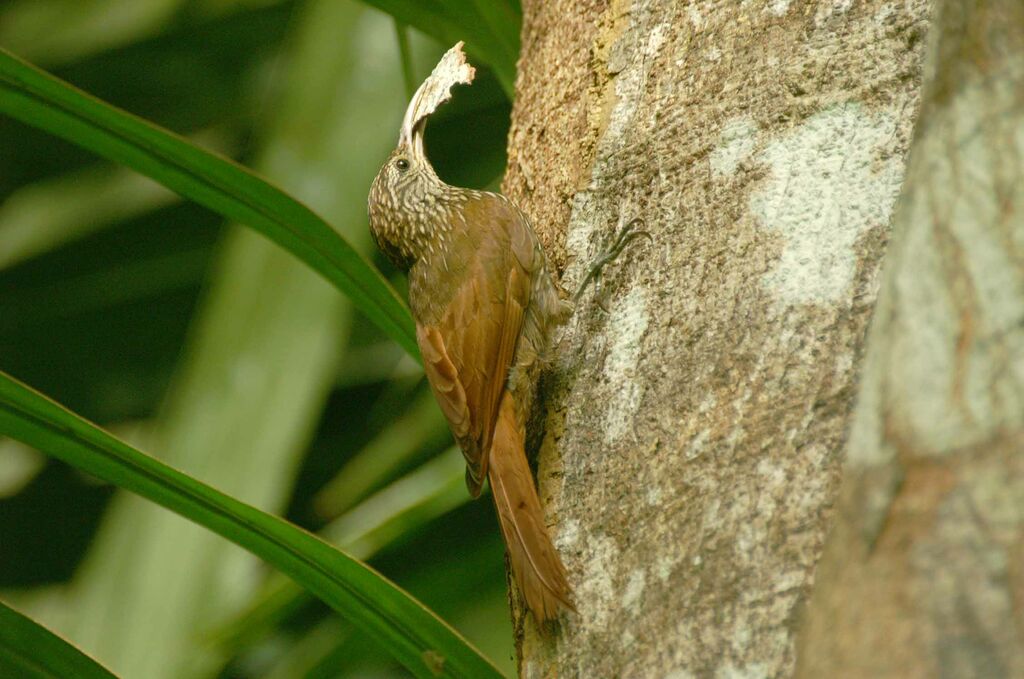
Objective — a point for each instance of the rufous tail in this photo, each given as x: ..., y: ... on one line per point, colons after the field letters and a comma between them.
x: 536, y: 566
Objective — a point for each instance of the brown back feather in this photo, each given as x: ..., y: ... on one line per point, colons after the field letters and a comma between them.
x: 469, y: 350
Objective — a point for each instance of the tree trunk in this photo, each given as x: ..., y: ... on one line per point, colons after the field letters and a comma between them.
x: 694, y: 430
x: 923, y: 574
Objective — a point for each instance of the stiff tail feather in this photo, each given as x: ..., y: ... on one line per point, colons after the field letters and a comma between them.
x: 536, y: 566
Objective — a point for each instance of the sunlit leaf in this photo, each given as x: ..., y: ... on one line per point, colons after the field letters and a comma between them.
x: 412, y: 501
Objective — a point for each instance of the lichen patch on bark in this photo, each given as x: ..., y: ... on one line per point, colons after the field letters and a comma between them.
x: 627, y: 324
x: 829, y: 180
x: 737, y: 141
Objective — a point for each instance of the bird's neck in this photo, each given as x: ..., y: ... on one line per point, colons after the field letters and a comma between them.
x: 426, y: 221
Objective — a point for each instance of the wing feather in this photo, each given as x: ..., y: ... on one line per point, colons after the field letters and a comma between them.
x: 468, y: 352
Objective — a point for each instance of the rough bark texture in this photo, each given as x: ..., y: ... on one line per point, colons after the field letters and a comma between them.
x: 923, y: 574
x: 694, y: 431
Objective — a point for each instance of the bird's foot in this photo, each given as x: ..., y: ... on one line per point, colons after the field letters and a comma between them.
x: 628, y: 233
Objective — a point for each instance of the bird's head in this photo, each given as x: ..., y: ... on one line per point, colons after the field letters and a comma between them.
x: 404, y: 201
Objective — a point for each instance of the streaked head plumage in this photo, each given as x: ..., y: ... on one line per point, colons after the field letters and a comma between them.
x: 405, y: 196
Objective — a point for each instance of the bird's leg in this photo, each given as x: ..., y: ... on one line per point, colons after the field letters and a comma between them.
x: 625, y: 235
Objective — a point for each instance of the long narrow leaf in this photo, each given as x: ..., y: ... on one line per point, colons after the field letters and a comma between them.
x: 432, y: 490
x: 27, y: 649
x: 39, y: 99
x: 414, y: 635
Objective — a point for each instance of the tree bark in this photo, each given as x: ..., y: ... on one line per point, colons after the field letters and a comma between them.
x: 923, y: 575
x: 694, y: 430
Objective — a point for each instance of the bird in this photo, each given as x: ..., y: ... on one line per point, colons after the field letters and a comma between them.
x: 485, y: 306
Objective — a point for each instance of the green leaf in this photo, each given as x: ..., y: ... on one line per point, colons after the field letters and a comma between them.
x: 404, y: 506
x: 490, y: 28
x: 39, y: 99
x: 414, y: 635
x: 27, y: 649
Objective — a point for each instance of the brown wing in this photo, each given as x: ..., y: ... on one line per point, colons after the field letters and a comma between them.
x: 468, y: 352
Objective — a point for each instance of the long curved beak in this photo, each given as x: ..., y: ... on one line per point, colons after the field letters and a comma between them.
x: 436, y: 89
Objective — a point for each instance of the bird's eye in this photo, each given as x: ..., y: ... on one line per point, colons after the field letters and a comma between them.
x: 402, y: 164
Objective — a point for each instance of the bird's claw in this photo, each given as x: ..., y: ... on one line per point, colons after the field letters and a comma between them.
x: 627, y: 234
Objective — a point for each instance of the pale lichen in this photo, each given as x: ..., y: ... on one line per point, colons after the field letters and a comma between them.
x: 827, y: 185
x: 736, y: 143
x: 626, y: 327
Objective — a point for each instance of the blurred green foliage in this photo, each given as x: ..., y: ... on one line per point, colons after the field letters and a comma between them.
x: 219, y: 352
